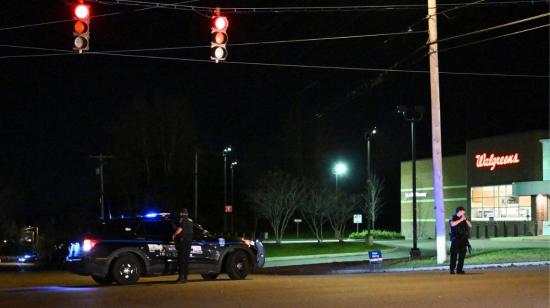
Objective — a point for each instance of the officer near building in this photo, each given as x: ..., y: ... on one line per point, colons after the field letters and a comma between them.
x: 460, y: 230
x: 183, y: 237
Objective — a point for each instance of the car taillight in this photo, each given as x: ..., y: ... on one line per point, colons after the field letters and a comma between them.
x: 88, y: 244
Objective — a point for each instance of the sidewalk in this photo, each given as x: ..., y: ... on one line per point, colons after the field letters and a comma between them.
x: 401, y: 249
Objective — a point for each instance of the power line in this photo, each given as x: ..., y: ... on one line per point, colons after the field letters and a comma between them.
x: 324, y: 67
x: 316, y: 39
x: 492, y: 28
x: 297, y: 9
x: 493, y: 38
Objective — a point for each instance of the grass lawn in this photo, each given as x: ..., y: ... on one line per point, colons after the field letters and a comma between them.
x: 486, y: 257
x: 304, y: 249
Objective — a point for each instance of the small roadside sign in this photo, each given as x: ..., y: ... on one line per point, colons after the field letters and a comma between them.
x: 357, y: 219
x: 297, y: 220
x: 228, y: 209
x: 375, y: 257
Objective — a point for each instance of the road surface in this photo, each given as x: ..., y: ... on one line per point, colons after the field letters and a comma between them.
x: 518, y: 287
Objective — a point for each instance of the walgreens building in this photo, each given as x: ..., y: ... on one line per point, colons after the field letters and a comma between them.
x: 503, y: 181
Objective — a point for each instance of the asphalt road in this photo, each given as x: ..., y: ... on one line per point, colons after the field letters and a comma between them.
x: 518, y: 287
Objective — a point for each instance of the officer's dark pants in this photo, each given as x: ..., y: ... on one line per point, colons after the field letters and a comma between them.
x: 458, y: 249
x: 183, y: 246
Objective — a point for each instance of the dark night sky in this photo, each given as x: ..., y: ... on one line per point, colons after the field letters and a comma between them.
x: 57, y: 110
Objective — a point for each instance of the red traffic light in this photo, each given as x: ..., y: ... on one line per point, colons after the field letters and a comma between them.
x: 220, y: 23
x: 82, y: 11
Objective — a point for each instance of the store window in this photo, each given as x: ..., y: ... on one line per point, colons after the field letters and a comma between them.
x: 497, y: 203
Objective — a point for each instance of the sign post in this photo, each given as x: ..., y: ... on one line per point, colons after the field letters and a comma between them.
x: 357, y: 219
x: 297, y: 221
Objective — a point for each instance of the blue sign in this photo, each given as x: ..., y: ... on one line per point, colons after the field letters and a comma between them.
x: 375, y: 257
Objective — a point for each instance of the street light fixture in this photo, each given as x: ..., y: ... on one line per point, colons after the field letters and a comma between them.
x: 339, y: 169
x: 413, y: 116
x: 226, y: 152
x: 369, y: 135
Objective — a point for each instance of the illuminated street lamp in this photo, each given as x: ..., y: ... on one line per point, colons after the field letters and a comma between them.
x: 413, y: 116
x: 339, y: 169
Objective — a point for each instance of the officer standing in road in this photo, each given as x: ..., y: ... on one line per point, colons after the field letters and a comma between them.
x: 460, y: 230
x: 183, y: 236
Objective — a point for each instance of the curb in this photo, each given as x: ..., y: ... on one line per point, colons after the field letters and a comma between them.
x: 334, y: 255
x: 469, y: 267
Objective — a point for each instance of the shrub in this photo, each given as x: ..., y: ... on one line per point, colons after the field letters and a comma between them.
x: 378, y: 235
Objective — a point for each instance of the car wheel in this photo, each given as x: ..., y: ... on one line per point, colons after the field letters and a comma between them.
x: 126, y: 269
x: 238, y: 265
x: 210, y: 276
x: 104, y: 281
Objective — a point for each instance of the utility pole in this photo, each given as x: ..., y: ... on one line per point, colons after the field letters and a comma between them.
x: 101, y: 158
x: 196, y: 186
x: 439, y: 205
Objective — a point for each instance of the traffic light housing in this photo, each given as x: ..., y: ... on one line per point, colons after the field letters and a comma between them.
x: 218, y: 50
x: 81, y: 27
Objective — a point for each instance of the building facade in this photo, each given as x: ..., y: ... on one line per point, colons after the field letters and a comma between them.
x: 503, y: 182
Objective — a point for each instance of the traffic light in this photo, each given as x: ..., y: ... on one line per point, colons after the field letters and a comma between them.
x: 81, y: 28
x: 218, y: 51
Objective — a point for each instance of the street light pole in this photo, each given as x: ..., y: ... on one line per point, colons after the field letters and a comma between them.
x: 415, y: 252
x: 413, y: 116
x: 196, y: 186
x: 225, y: 153
x: 233, y: 164
x: 101, y: 159
x: 368, y: 136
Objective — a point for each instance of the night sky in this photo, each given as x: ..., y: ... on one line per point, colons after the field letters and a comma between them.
x: 58, y: 110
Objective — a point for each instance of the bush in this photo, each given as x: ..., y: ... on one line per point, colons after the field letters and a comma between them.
x: 378, y: 235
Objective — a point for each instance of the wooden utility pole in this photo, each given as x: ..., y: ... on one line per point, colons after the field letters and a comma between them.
x: 439, y: 205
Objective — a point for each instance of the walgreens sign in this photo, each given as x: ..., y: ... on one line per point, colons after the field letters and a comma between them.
x: 492, y: 161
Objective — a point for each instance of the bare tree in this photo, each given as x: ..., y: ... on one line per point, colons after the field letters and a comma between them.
x: 340, y: 211
x: 372, y: 206
x: 315, y: 209
x: 277, y: 198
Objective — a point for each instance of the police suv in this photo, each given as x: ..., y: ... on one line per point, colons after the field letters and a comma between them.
x: 124, y: 249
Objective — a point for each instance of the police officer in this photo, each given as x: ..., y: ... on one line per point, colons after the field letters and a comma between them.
x: 460, y: 230
x: 183, y: 236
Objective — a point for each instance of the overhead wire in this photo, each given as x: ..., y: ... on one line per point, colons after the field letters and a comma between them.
x: 296, y: 9
x: 493, y: 38
x: 305, y: 40
x: 325, y: 67
x: 491, y: 28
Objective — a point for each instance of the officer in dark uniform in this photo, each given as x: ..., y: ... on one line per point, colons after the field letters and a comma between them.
x: 183, y: 236
x: 460, y: 230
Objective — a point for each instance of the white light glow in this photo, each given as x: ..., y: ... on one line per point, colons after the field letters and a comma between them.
x: 340, y: 169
